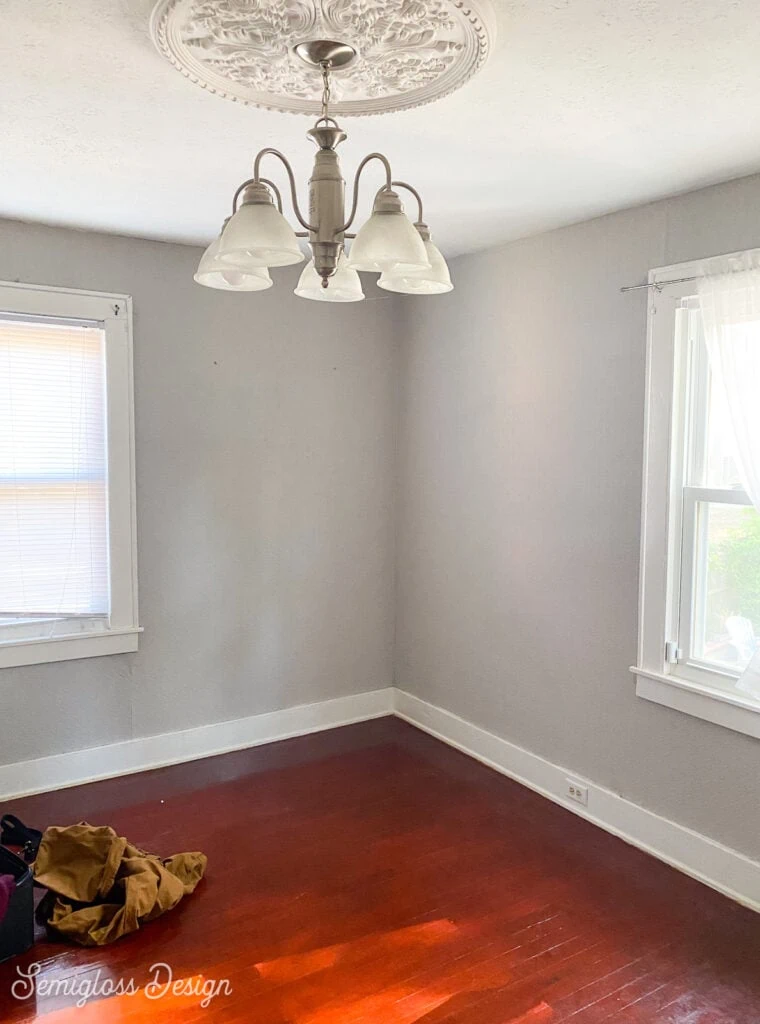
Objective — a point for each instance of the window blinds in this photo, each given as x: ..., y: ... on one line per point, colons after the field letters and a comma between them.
x: 53, y: 471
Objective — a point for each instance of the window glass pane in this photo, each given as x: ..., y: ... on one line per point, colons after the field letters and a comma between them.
x: 53, y: 477
x: 727, y: 605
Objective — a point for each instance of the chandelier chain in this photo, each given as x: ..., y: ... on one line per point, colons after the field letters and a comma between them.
x: 325, y: 65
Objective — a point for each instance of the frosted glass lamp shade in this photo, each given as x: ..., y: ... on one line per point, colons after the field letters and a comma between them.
x: 387, y: 238
x: 258, y: 236
x: 433, y: 281
x: 344, y: 286
x: 213, y: 273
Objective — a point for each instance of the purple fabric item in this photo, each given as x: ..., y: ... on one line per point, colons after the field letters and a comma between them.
x: 7, y: 888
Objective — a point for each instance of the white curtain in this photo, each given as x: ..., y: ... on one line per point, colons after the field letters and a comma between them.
x: 729, y: 296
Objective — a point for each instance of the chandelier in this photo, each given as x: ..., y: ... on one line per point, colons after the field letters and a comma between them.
x: 257, y: 237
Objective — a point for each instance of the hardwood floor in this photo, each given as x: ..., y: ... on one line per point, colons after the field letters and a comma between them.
x: 371, y: 875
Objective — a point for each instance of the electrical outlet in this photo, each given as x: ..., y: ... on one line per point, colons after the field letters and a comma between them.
x: 577, y: 791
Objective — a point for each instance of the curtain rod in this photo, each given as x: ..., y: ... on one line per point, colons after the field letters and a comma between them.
x: 659, y: 285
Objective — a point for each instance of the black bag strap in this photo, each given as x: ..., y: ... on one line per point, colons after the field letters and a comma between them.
x: 13, y: 832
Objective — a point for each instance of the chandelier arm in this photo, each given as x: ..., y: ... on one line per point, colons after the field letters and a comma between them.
x: 359, y: 169
x: 415, y: 193
x: 291, y: 178
x: 252, y: 181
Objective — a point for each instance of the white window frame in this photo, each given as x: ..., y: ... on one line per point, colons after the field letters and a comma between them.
x: 662, y: 673
x: 114, y: 314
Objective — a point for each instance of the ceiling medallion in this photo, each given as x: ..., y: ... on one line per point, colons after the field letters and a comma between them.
x: 408, y: 52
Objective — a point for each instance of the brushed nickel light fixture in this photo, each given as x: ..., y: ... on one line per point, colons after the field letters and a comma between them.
x: 257, y: 236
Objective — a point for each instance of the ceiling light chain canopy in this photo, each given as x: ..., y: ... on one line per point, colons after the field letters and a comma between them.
x: 257, y: 236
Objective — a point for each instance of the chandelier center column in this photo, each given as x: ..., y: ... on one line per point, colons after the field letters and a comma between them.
x: 327, y: 199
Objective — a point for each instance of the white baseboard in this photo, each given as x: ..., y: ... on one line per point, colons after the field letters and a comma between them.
x: 80, y: 766
x: 718, y: 866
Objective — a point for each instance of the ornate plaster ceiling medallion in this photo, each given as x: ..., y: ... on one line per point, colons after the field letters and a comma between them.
x: 409, y: 52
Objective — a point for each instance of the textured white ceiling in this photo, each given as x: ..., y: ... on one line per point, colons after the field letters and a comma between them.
x: 586, y: 106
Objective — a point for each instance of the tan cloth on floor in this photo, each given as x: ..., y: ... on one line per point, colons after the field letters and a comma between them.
x: 119, y: 885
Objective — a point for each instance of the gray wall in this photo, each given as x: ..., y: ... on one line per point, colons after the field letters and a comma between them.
x: 522, y: 397
x: 265, y: 457
x: 265, y: 469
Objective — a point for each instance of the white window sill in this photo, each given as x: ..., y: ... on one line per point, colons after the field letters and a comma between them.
x: 66, y: 648
x: 731, y: 710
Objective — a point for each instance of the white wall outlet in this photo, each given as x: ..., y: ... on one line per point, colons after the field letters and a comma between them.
x: 577, y: 791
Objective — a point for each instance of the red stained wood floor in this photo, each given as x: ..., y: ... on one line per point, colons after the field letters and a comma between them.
x: 371, y: 875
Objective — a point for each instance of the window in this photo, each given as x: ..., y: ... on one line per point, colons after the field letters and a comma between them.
x: 67, y: 535
x: 700, y: 567
x: 716, y: 537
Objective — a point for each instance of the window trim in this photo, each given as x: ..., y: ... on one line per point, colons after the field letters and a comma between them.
x: 114, y: 311
x: 690, y: 690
